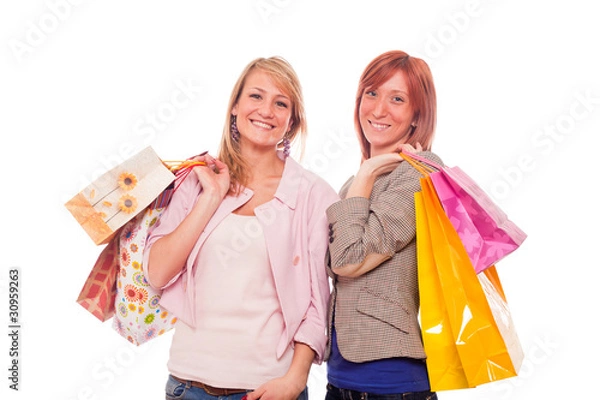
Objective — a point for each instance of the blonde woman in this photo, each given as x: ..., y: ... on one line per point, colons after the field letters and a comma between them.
x: 240, y: 253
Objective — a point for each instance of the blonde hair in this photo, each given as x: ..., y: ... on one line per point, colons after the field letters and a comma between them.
x: 286, y: 80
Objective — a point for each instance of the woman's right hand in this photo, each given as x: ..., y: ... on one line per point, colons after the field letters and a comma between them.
x: 213, y: 177
x: 379, y: 165
x: 369, y: 170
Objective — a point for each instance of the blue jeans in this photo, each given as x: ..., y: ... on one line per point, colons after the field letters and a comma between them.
x: 176, y: 390
x: 334, y: 393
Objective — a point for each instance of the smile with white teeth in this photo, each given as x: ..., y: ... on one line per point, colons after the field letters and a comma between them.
x: 262, y: 124
x: 377, y: 126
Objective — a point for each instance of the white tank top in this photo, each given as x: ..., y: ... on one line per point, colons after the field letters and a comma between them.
x: 238, y: 315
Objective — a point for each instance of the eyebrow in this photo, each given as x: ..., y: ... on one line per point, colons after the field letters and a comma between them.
x: 393, y: 91
x: 263, y: 91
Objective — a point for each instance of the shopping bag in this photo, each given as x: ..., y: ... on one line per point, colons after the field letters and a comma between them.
x: 99, y: 290
x: 478, y: 316
x: 485, y: 230
x: 112, y: 200
x: 443, y: 362
x: 116, y: 286
x: 138, y: 316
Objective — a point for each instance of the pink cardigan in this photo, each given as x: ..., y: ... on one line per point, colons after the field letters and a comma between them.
x: 296, y: 233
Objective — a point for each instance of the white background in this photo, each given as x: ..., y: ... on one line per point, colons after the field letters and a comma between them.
x: 519, y: 111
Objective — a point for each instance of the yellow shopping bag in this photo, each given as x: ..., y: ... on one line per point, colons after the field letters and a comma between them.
x: 471, y: 309
x: 443, y: 362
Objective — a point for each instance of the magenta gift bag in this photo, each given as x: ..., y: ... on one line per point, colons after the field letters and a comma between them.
x: 484, y: 229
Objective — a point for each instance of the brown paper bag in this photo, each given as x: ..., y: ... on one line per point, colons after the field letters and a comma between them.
x: 112, y: 200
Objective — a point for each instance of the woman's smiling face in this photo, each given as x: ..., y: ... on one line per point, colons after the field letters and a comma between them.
x: 386, y: 114
x: 263, y: 112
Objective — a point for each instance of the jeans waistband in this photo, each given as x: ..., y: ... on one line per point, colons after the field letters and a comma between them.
x: 348, y: 394
x: 213, y: 391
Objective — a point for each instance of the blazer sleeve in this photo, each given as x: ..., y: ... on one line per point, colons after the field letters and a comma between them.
x: 372, y: 230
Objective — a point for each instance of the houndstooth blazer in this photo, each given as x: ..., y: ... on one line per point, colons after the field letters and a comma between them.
x: 376, y: 313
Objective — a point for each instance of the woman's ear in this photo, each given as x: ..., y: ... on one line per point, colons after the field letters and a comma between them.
x: 234, y: 110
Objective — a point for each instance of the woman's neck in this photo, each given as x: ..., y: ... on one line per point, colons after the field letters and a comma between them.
x: 263, y: 165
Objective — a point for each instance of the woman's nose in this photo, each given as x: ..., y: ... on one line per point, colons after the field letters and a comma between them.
x: 266, y: 110
x: 379, y: 109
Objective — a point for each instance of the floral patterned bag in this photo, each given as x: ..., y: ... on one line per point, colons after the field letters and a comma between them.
x: 138, y: 315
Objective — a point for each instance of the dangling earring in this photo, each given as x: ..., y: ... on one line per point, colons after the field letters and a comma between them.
x: 286, y: 146
x: 235, y: 134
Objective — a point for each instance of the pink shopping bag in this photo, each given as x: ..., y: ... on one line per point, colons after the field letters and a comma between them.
x: 484, y: 229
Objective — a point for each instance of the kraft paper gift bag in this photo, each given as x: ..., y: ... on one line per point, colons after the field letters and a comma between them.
x: 112, y: 200
x: 98, y: 293
x: 478, y: 316
x: 485, y: 230
x: 138, y: 315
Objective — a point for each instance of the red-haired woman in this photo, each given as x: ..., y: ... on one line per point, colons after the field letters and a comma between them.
x: 375, y: 347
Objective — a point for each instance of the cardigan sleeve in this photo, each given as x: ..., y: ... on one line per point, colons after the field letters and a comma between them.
x: 379, y: 226
x: 312, y: 330
x: 181, y: 203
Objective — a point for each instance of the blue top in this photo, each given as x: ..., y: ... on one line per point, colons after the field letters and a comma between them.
x: 386, y: 376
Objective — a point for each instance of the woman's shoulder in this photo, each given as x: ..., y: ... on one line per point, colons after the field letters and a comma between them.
x: 431, y: 156
x: 407, y: 174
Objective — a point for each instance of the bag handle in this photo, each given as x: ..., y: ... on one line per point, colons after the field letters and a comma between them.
x: 421, y: 159
x: 418, y: 163
x: 181, y: 169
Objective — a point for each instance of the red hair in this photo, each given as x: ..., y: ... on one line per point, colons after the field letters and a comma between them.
x: 421, y: 92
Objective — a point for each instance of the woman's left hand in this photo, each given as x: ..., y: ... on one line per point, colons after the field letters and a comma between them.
x: 277, y: 389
